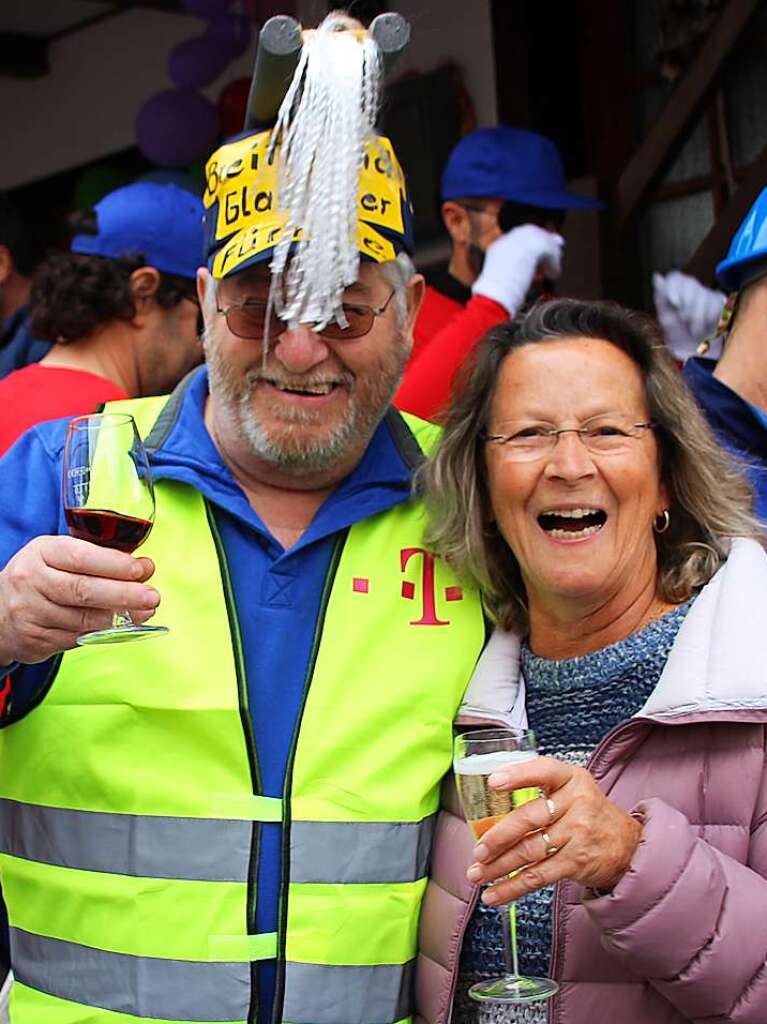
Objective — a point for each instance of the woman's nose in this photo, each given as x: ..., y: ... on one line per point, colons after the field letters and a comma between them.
x: 570, y: 459
x: 300, y: 349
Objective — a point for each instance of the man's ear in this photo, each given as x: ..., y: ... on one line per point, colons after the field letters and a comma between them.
x: 6, y: 264
x: 456, y: 220
x: 202, y: 282
x: 416, y: 288
x: 144, y: 283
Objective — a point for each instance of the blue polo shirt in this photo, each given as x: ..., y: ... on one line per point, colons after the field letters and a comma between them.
x: 277, y: 593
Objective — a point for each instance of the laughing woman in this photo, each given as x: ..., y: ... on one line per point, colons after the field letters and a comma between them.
x: 578, y: 483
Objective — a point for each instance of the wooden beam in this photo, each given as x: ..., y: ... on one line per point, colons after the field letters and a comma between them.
x: 714, y: 246
x: 683, y: 103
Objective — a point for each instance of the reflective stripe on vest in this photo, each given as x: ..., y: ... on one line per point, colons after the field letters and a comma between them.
x: 192, y: 991
x: 354, y: 995
x: 211, y: 849
x: 131, y: 792
x: 168, y: 989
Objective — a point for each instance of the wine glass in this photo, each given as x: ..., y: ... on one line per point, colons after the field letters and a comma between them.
x: 109, y: 500
x: 477, y: 754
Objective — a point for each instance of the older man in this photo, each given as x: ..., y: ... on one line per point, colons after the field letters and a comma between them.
x: 233, y: 823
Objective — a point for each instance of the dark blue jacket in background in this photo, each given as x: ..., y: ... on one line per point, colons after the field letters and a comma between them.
x: 740, y: 427
x: 18, y: 346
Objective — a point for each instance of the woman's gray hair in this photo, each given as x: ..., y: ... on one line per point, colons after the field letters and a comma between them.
x: 711, y: 497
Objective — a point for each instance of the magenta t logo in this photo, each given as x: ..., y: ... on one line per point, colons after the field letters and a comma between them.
x: 429, y: 615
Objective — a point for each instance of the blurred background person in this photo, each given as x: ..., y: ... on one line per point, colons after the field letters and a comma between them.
x: 120, y: 310
x: 733, y: 390
x: 20, y: 252
x: 504, y: 198
x: 688, y: 314
x: 598, y: 513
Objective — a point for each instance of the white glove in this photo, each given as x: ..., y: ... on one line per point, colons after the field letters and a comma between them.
x: 687, y: 312
x: 512, y: 260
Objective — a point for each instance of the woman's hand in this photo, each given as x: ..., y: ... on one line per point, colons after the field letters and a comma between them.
x: 572, y: 832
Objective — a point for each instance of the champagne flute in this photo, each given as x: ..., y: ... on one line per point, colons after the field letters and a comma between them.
x: 477, y: 754
x: 109, y: 500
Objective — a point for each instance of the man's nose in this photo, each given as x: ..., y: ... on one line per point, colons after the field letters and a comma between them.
x: 570, y: 459
x: 300, y: 349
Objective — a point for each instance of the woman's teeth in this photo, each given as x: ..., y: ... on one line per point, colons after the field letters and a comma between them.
x: 573, y: 534
x: 572, y: 523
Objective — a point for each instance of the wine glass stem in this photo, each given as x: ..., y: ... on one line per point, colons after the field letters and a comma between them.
x: 509, y: 926
x: 121, y: 619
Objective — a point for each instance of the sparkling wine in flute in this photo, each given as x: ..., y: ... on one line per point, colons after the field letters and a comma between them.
x: 478, y: 754
x: 483, y: 805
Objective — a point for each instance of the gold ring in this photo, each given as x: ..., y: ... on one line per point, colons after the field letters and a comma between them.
x: 551, y: 849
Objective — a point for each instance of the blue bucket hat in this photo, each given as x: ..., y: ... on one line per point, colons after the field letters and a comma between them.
x: 161, y: 222
x: 747, y: 259
x: 511, y: 164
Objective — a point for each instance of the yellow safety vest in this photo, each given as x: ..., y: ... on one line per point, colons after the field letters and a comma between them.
x: 129, y: 796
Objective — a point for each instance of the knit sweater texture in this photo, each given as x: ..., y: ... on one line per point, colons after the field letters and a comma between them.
x: 572, y: 704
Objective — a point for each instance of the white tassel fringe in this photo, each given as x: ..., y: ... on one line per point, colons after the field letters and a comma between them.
x: 325, y: 121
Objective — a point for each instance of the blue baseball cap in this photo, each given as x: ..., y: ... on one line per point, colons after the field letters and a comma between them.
x: 163, y: 223
x: 747, y: 259
x: 513, y: 165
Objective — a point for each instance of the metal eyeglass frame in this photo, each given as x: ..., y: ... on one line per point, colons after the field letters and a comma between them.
x: 554, y: 432
x: 354, y: 305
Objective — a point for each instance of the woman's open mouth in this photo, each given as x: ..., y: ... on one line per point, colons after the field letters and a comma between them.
x: 572, y: 523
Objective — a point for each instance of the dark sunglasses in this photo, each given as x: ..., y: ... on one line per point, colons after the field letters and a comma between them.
x: 248, y: 320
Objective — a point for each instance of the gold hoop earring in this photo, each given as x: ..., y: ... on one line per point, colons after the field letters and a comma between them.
x: 665, y: 519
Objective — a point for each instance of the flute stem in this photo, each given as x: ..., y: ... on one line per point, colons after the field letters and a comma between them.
x: 509, y: 928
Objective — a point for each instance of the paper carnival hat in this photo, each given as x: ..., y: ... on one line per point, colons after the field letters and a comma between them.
x: 320, y: 190
x: 244, y: 220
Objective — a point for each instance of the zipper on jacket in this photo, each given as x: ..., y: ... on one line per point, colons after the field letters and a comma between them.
x: 555, y: 966
x: 279, y: 988
x: 250, y: 746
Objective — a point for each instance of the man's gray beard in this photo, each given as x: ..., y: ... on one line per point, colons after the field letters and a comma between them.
x: 235, y: 399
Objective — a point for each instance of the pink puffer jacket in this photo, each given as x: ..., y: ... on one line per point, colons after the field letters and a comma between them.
x: 683, y: 937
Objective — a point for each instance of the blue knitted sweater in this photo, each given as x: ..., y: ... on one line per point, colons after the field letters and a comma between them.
x: 571, y: 705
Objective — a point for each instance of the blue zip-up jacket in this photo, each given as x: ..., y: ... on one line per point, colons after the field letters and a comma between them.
x: 277, y: 592
x: 740, y: 427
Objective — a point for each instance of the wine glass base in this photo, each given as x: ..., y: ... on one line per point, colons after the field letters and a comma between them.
x: 513, y: 989
x: 120, y: 635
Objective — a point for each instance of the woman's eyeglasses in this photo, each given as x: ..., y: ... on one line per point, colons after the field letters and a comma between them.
x: 248, y: 320
x: 533, y: 442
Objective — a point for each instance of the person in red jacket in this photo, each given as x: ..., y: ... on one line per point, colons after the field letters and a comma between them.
x: 120, y: 309
x: 504, y: 198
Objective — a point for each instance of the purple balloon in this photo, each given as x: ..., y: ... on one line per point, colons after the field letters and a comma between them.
x: 233, y: 31
x: 206, y: 8
x: 196, y: 63
x: 176, y: 128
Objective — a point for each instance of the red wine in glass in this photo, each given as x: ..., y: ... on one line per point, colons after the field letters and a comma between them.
x: 109, y: 500
x: 107, y: 529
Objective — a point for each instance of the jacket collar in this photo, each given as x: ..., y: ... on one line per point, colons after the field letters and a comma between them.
x: 730, y: 416
x: 716, y: 667
x: 718, y: 660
